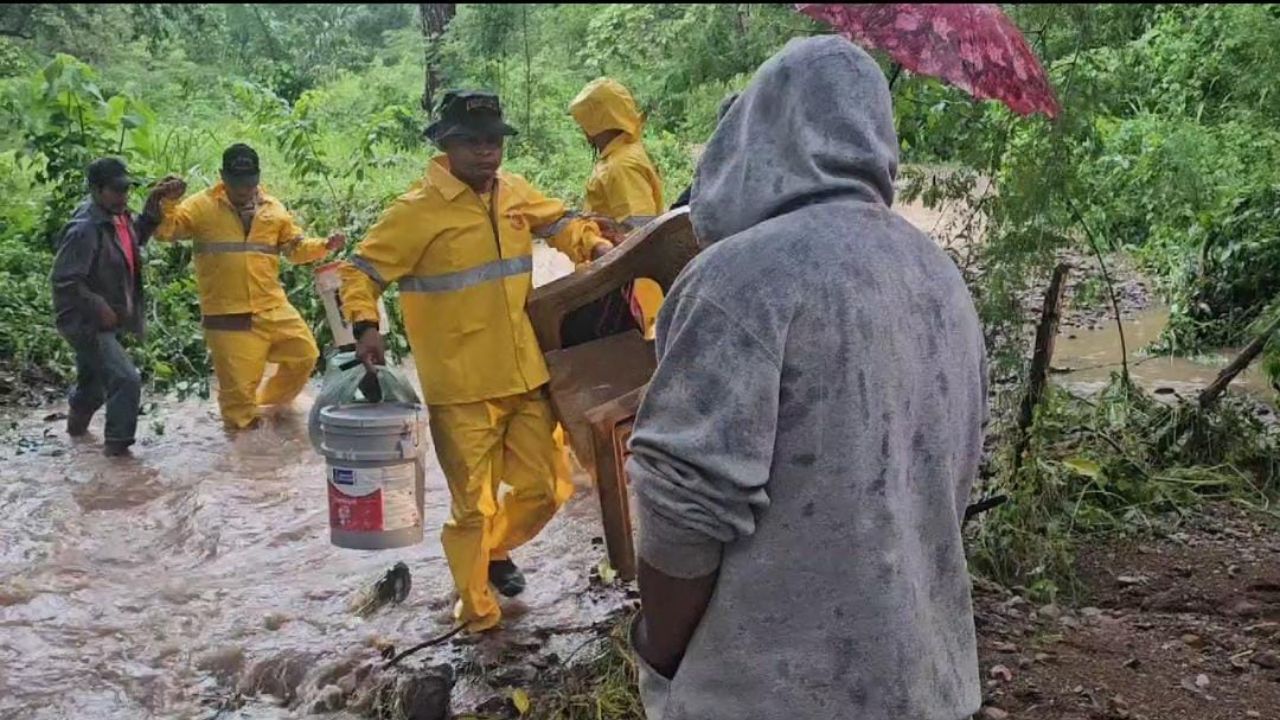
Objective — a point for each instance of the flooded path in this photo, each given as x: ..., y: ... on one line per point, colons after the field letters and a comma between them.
x: 1084, y: 360
x: 159, y: 586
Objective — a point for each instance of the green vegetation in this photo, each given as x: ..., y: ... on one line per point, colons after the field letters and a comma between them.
x: 1118, y: 463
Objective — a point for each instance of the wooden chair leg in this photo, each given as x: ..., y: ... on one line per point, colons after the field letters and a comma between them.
x: 610, y: 438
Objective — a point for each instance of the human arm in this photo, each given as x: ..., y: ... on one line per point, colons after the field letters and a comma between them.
x: 70, y: 276
x: 630, y: 196
x: 577, y: 237
x: 302, y: 250
x: 700, y: 460
x: 388, y: 252
x: 177, y: 216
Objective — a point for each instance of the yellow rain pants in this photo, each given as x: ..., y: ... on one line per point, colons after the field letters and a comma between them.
x: 482, y: 446
x: 240, y: 358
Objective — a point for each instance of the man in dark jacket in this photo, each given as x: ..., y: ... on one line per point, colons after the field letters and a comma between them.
x: 97, y: 295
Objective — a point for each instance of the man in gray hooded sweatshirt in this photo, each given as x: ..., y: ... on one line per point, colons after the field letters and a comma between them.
x: 803, y: 457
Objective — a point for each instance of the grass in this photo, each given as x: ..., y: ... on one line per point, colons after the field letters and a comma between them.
x: 1120, y: 463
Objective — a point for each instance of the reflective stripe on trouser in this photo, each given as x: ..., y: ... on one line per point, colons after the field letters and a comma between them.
x: 481, y: 446
x: 240, y: 358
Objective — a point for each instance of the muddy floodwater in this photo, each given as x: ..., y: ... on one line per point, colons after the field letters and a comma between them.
x: 1089, y: 358
x: 158, y: 586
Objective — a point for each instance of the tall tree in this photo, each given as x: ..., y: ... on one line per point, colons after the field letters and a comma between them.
x: 435, y: 18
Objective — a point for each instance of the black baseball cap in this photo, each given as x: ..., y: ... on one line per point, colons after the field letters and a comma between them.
x: 468, y: 112
x: 240, y: 165
x: 109, y: 172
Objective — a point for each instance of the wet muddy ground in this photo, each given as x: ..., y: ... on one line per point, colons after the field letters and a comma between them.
x: 1182, y: 628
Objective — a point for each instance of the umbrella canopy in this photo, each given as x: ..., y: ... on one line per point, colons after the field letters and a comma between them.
x: 975, y: 47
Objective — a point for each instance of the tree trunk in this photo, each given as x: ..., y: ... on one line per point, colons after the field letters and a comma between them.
x: 1046, y: 335
x: 435, y: 18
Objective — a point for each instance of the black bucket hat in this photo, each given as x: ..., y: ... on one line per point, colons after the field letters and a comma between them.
x: 240, y: 165
x: 109, y: 172
x: 468, y: 112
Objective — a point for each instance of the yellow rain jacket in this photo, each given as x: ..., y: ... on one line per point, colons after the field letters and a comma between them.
x: 464, y: 264
x: 238, y: 272
x: 465, y: 270
x: 624, y: 184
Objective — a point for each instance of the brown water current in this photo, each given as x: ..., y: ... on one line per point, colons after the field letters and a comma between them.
x: 155, y: 587
x: 1091, y: 356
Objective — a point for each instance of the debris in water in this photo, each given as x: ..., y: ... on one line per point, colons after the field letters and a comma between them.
x: 392, y: 587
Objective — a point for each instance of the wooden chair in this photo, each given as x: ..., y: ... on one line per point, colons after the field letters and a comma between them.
x: 596, y: 387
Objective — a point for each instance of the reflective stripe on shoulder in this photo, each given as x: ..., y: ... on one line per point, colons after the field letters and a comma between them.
x: 367, y: 268
x: 222, y: 248
x: 463, y: 279
x: 548, y: 231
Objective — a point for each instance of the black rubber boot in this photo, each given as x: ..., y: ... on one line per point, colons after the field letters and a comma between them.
x: 78, y: 423
x: 506, y: 577
x: 116, y: 449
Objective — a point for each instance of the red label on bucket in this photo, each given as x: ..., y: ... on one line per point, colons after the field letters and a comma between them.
x: 355, y: 514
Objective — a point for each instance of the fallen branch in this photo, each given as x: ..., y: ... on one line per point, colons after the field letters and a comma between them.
x: 1210, y: 394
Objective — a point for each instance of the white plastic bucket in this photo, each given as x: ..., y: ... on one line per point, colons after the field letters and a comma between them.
x: 328, y: 282
x: 374, y: 454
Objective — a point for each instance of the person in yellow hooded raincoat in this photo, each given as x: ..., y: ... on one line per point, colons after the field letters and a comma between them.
x: 624, y: 185
x: 459, y: 244
x: 239, y: 233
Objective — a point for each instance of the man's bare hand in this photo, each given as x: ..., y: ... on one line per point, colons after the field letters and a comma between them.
x: 337, y: 241
x: 371, y: 350
x: 171, y: 187
x: 600, y: 251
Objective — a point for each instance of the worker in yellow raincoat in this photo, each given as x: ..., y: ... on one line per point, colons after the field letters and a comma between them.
x: 239, y: 234
x: 460, y: 245
x: 624, y: 185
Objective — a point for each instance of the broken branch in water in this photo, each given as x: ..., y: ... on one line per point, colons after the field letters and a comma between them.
x: 423, y: 646
x: 1210, y: 394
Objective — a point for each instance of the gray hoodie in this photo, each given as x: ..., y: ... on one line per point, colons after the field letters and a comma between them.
x: 815, y: 422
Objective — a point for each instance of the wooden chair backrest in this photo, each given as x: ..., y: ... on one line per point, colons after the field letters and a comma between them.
x: 658, y: 251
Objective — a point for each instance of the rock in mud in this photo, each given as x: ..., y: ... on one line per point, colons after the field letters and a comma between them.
x: 411, y: 694
x: 1193, y: 641
x: 1268, y: 660
x: 1001, y: 673
x: 1051, y: 611
x: 279, y: 676
x: 222, y: 663
x: 992, y: 713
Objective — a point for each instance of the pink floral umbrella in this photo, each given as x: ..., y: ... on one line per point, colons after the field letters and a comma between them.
x: 975, y: 47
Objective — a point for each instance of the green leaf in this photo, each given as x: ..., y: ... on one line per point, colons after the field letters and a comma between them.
x: 520, y: 699
x: 1083, y: 466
